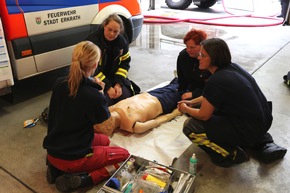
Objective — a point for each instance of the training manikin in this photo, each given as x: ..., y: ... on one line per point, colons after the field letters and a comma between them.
x: 144, y: 111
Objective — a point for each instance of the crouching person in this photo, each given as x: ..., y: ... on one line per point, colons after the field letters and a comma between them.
x: 234, y: 114
x: 76, y: 156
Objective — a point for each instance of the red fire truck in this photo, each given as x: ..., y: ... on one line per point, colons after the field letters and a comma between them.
x: 38, y: 36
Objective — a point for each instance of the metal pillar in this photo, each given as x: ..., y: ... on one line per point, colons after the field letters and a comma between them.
x: 151, y: 5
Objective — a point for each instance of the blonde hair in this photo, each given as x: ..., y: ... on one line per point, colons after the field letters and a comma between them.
x: 85, y: 55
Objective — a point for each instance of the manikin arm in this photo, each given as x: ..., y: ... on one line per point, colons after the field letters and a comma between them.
x: 106, y: 128
x: 141, y: 127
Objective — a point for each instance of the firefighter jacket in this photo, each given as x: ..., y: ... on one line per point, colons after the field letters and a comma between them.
x: 115, y: 59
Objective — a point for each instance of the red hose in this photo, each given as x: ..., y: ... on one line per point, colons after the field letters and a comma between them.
x: 268, y: 21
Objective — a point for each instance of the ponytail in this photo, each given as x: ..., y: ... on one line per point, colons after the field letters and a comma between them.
x: 85, y: 56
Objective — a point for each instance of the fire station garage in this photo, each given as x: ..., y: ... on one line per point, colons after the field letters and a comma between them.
x: 257, y: 33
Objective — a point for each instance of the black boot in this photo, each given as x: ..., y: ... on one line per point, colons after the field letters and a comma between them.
x: 52, y: 173
x: 269, y: 152
x: 69, y: 182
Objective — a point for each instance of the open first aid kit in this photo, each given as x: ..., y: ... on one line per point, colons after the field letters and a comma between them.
x: 138, y: 175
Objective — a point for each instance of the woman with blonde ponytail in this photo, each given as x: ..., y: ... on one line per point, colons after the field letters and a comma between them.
x: 84, y: 63
x: 76, y: 156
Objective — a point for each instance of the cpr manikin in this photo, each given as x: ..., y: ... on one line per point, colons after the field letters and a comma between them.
x: 144, y: 111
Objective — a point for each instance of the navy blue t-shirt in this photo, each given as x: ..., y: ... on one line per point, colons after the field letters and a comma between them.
x: 235, y: 94
x: 71, y: 120
x: 190, y: 77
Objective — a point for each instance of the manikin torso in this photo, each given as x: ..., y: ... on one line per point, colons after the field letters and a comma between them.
x: 139, y: 108
x: 136, y: 114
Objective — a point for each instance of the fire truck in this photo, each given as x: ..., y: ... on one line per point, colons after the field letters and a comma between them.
x: 38, y: 36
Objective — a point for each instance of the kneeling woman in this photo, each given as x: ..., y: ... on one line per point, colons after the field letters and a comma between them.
x: 76, y: 107
x: 115, y: 61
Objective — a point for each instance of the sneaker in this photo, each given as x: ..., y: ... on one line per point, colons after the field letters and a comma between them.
x: 69, y: 182
x: 238, y: 156
x: 52, y: 173
x: 269, y: 153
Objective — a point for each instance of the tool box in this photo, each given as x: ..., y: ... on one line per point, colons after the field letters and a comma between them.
x: 138, y: 175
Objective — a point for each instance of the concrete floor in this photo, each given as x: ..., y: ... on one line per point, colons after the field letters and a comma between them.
x: 263, y: 51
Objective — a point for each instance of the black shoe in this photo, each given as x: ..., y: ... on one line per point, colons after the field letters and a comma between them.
x: 287, y: 79
x: 69, y: 182
x: 281, y: 15
x: 238, y: 156
x: 269, y: 153
x: 52, y: 173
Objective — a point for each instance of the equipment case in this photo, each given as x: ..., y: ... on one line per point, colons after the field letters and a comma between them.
x: 138, y: 175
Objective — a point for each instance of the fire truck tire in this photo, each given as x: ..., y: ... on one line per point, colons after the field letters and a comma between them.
x: 205, y: 4
x: 178, y: 4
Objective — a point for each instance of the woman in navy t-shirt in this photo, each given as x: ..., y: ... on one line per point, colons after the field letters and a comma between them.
x: 234, y: 113
x: 77, y: 156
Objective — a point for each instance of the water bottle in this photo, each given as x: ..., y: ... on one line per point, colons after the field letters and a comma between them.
x: 192, y: 164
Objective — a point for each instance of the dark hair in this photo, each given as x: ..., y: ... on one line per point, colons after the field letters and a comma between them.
x: 196, y: 35
x: 218, y: 50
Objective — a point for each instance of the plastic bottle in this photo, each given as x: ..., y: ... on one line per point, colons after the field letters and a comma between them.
x: 192, y: 164
x: 151, y: 178
x: 125, y: 174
